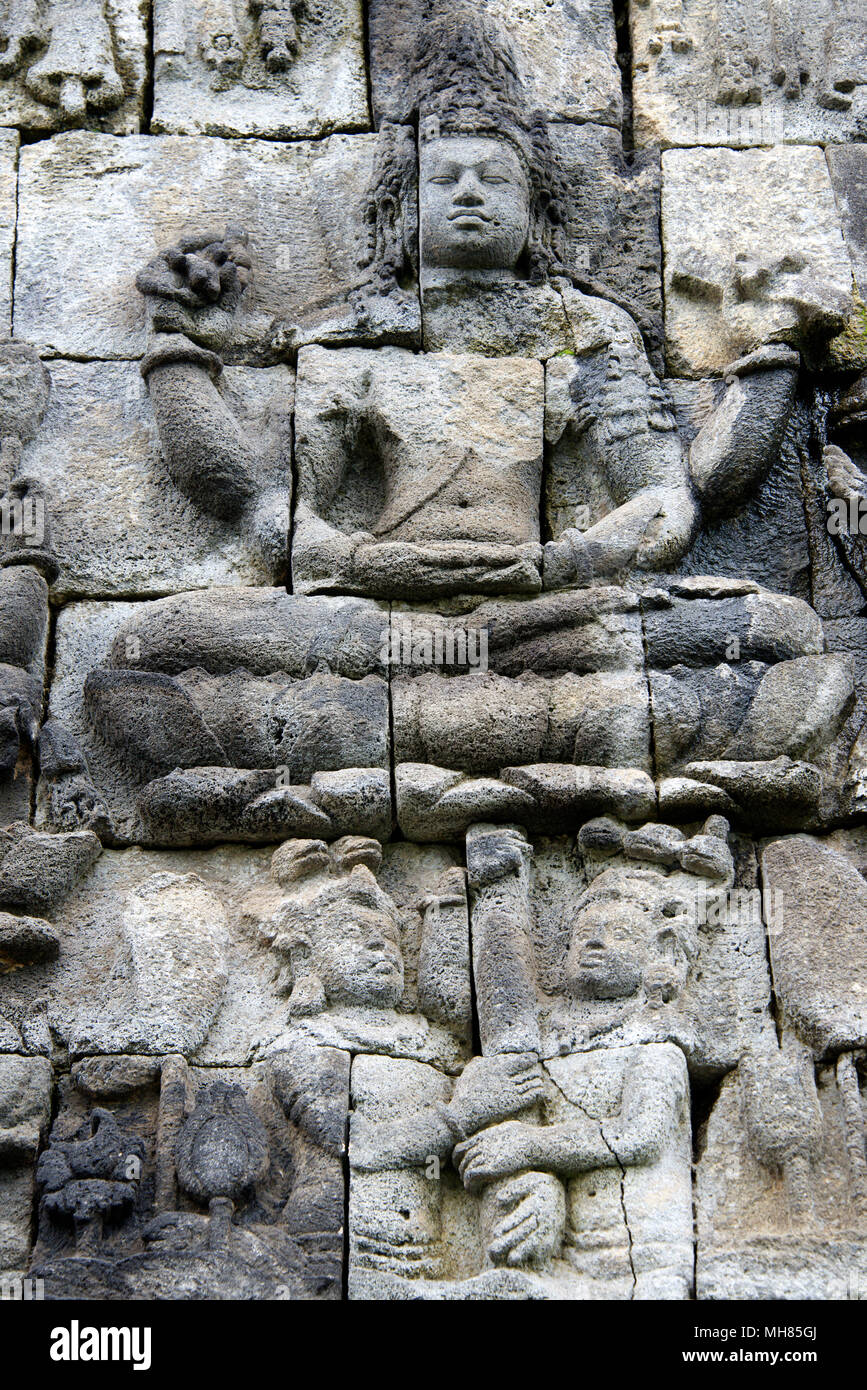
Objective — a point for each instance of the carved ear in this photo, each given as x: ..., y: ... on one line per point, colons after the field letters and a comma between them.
x: 308, y: 996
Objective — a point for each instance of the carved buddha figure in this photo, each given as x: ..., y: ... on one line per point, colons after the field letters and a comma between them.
x: 449, y: 506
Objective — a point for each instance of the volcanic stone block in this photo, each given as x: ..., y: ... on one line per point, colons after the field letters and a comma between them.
x: 753, y: 250
x: 611, y: 234
x: 222, y: 70
x: 8, y: 191
x: 125, y: 200
x: 848, y: 166
x: 129, y: 685
x: 74, y: 63
x: 24, y: 628
x: 195, y: 950
x: 636, y: 926
x: 25, y: 1112
x: 567, y: 55
x: 417, y: 474
x: 781, y: 1200
x: 120, y: 526
x: 747, y: 72
x: 158, y: 1146
x: 417, y: 1232
x: 817, y: 945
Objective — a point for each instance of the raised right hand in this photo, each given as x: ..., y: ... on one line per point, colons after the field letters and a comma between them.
x: 200, y: 272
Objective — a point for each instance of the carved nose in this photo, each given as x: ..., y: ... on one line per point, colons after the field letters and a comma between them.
x: 468, y: 194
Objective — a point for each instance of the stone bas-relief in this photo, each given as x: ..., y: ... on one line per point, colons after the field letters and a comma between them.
x: 259, y: 67
x: 434, y: 700
x: 297, y: 202
x: 747, y: 72
x: 25, y: 1110
x: 715, y: 735
x: 782, y: 272
x: 98, y: 449
x: 226, y: 1182
x: 787, y: 1137
x: 241, y: 714
x: 73, y: 63
x: 568, y: 54
x: 573, y: 1171
x: 232, y: 954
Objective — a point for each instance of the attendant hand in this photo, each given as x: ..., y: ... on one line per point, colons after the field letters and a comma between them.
x: 493, y: 1088
x: 494, y: 1153
x: 531, y: 1220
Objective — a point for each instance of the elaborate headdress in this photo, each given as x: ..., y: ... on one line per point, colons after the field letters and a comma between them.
x: 321, y: 881
x: 465, y: 81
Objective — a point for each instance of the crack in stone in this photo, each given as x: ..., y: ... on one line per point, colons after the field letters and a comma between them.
x: 602, y: 1135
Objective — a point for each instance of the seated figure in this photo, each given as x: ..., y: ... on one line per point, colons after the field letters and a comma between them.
x: 460, y: 520
x: 420, y: 477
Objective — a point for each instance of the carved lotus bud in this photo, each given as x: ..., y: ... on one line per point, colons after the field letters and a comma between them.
x: 222, y: 1148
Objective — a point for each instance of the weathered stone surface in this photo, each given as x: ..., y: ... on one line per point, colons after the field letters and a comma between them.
x: 848, y: 168
x: 451, y: 771
x: 25, y: 1112
x: 566, y: 52
x: 817, y: 952
x: 766, y: 539
x: 37, y: 871
x: 626, y: 1185
x: 222, y: 955
x: 607, y: 942
x: 786, y: 1148
x: 226, y: 1182
x: 496, y: 318
x: 435, y: 803
x: 165, y: 932
x: 204, y: 717
x: 417, y: 475
x: 126, y: 200
x: 482, y: 723
x: 25, y: 939
x: 295, y: 71
x: 747, y: 72
x: 365, y: 963
x: 610, y: 234
x: 124, y: 529
x: 8, y: 191
x: 23, y: 645
x: 74, y: 62
x: 739, y: 681
x: 781, y: 272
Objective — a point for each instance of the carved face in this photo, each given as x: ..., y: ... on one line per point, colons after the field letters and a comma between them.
x: 626, y: 938
x: 475, y: 204
x: 358, y: 958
